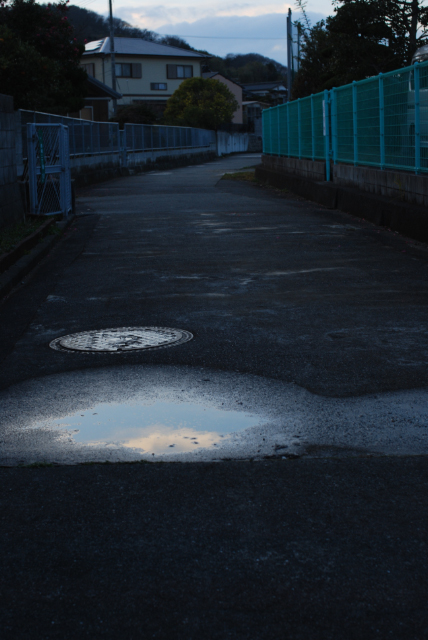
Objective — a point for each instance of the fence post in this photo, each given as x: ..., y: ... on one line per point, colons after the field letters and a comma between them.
x: 288, y: 129
x: 279, y: 132
x: 355, y: 121
x: 334, y: 123
x: 32, y: 165
x: 263, y: 132
x: 74, y: 140
x: 82, y: 130
x: 298, y: 125
x: 417, y: 119
x: 382, y: 122
x: 326, y: 132
x: 313, y: 127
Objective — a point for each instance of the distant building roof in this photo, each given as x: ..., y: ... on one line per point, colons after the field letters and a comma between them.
x: 213, y: 74
x: 265, y: 86
x: 247, y: 103
x: 138, y: 46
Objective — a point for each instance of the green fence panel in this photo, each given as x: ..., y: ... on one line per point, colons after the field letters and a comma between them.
x: 344, y: 124
x: 368, y: 115
x: 305, y: 128
x: 399, y: 131
x: 293, y: 130
x: 282, y: 129
x: 423, y: 115
x: 381, y: 121
x: 318, y: 133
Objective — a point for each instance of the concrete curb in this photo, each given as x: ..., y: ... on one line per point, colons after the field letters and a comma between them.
x: 22, y: 267
x: 408, y: 219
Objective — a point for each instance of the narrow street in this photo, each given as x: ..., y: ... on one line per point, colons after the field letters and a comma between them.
x: 310, y: 519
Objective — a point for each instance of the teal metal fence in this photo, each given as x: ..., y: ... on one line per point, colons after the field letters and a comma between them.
x: 380, y: 122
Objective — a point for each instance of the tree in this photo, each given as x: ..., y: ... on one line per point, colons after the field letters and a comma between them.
x: 39, y: 57
x: 134, y: 113
x: 200, y: 102
x: 362, y: 39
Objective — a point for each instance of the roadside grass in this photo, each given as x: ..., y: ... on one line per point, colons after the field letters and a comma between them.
x: 12, y: 236
x: 247, y: 176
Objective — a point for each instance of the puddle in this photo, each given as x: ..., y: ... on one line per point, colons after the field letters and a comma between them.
x: 158, y: 428
x: 184, y: 414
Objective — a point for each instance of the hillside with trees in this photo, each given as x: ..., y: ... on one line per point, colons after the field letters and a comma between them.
x: 89, y: 25
x: 247, y: 68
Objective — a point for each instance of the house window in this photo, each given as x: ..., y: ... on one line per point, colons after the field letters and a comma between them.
x: 158, y: 86
x: 90, y: 69
x: 128, y: 70
x: 174, y: 71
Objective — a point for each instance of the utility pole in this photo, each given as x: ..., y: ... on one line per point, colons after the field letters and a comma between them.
x: 289, y: 56
x: 112, y: 58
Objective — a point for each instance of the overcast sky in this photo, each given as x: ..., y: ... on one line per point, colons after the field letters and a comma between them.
x: 239, y: 27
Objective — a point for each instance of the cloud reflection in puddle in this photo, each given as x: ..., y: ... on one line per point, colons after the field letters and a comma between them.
x: 159, y: 428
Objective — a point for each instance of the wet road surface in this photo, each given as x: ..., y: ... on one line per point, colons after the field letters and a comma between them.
x: 314, y: 321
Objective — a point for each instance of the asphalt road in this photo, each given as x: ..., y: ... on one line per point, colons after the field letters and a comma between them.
x: 323, y: 316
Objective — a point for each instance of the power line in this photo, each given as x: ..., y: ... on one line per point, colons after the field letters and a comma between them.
x: 170, y: 35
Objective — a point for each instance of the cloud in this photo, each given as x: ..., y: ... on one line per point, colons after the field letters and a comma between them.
x: 236, y: 34
x: 153, y: 16
x: 220, y: 28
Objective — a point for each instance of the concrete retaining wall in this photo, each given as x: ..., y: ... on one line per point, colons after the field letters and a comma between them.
x: 140, y: 158
x: 311, y: 170
x: 409, y: 219
x: 101, y: 173
x: 11, y: 209
x: 231, y: 142
x: 403, y: 186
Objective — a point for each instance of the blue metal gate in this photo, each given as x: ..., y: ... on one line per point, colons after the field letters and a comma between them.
x: 49, y: 169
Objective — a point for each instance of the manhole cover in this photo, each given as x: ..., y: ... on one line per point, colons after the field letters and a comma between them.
x: 121, y: 339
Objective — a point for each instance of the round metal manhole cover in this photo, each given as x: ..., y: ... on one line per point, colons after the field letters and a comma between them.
x: 121, y: 339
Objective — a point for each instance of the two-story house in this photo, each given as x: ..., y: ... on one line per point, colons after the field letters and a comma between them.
x: 146, y: 72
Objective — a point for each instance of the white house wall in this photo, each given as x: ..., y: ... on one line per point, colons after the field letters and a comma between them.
x: 153, y: 70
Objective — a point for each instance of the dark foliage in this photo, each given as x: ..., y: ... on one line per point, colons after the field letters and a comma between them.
x: 362, y: 39
x: 40, y: 57
x: 135, y: 114
x: 200, y: 102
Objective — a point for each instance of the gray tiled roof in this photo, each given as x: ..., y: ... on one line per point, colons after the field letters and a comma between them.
x: 138, y: 46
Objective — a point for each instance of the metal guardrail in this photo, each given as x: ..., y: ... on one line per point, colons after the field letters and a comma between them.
x: 380, y: 122
x: 146, y: 137
x: 89, y: 138
x: 85, y: 137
